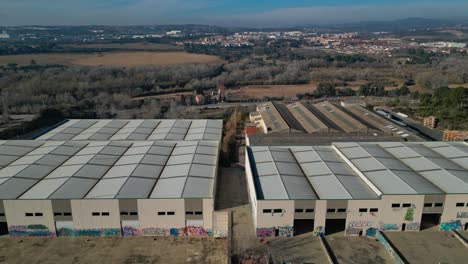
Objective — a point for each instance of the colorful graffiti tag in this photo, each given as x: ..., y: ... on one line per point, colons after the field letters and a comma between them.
x: 130, y: 231
x: 30, y: 231
x: 185, y: 231
x: 265, y: 232
x: 195, y: 231
x: 319, y: 231
x: 286, y: 231
x: 409, y: 216
x: 371, y: 232
x: 451, y: 226
x: 100, y: 232
x: 389, y: 227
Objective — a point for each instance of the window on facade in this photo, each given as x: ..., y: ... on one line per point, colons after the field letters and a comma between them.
x: 427, y: 204
x: 2, y: 214
x: 38, y: 214
x: 341, y: 210
x: 170, y: 213
x: 309, y: 210
x: 29, y: 214
x: 299, y: 210
x: 133, y: 213
x: 277, y: 210
x: 460, y: 204
x: 395, y: 205
x: 198, y: 213
x: 266, y: 211
x: 161, y: 213
x: 105, y: 213
x: 95, y: 214
x: 406, y: 205
x: 363, y: 210
x: 438, y: 204
x: 331, y: 210
x: 67, y: 214
x: 374, y: 210
x: 57, y: 214
x: 189, y: 213
x: 123, y: 213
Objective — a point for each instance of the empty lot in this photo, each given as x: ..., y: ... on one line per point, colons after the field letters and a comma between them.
x: 120, y: 59
x: 429, y: 247
x: 113, y: 250
x: 358, y: 250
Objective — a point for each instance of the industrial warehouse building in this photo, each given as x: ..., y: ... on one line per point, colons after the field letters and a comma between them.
x: 327, y: 119
x: 358, y: 188
x: 116, y: 187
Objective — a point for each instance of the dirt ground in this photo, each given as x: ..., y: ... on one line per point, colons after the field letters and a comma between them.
x: 358, y: 250
x: 113, y: 250
x: 260, y: 91
x: 464, y: 234
x: 123, y: 46
x: 121, y: 59
x: 300, y: 249
x: 429, y: 247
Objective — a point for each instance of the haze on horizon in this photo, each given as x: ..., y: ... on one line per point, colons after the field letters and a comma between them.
x: 221, y: 12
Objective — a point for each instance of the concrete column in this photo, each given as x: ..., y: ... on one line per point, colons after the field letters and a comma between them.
x: 320, y: 216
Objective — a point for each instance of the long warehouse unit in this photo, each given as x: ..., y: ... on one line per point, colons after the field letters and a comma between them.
x: 358, y: 188
x: 113, y: 177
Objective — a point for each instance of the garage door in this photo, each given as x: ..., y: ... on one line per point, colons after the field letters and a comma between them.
x: 194, y: 223
x: 64, y: 228
x: 130, y: 228
x: 131, y: 223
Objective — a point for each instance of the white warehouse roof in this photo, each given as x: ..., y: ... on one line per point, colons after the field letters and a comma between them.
x: 359, y: 171
x: 147, y: 129
x: 107, y: 169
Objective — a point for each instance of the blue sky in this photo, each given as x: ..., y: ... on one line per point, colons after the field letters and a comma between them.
x: 221, y: 12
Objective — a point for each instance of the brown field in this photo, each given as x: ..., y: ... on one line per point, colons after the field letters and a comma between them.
x: 115, y: 250
x: 126, y: 46
x: 260, y: 91
x: 122, y: 59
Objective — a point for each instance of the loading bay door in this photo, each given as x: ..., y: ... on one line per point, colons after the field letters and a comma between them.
x: 3, y: 228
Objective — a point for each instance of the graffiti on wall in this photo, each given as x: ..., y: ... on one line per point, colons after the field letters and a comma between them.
x: 98, y: 232
x: 155, y: 231
x: 185, y: 231
x: 412, y: 227
x: 286, y: 231
x: 389, y: 227
x: 389, y: 248
x: 265, y: 232
x: 130, y: 231
x: 363, y: 224
x: 30, y: 231
x: 319, y: 231
x: 409, y: 216
x: 353, y: 231
x: 462, y: 215
x: 195, y: 231
x: 451, y: 226
x: 371, y: 232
